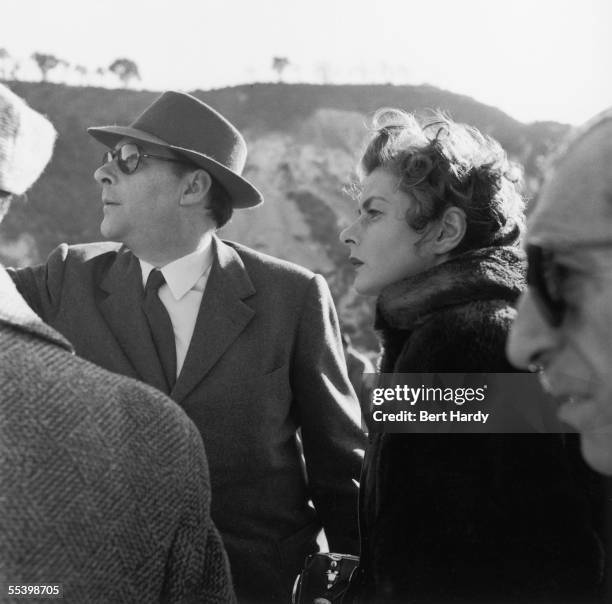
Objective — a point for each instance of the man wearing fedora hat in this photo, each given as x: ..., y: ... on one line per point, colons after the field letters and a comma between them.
x: 105, y: 486
x: 247, y: 344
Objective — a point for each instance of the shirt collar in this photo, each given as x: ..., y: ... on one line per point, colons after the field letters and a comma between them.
x: 181, y: 275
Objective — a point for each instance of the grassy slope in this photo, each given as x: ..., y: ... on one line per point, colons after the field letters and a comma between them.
x: 65, y: 204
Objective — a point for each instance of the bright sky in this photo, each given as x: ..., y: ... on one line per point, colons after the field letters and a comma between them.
x: 534, y: 59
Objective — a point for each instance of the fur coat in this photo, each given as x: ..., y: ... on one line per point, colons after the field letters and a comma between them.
x: 469, y: 517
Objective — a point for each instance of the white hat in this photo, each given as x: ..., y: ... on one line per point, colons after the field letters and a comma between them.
x: 26, y: 143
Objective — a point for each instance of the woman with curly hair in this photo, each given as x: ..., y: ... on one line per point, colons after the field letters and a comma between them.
x: 457, y: 517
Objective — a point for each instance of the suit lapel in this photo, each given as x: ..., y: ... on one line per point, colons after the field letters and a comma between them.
x: 121, y: 309
x: 222, y: 317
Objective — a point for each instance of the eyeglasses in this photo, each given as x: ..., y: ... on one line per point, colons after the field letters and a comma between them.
x: 545, y: 277
x: 128, y: 157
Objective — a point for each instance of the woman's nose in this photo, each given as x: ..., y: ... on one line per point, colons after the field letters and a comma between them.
x: 348, y: 235
x: 531, y: 337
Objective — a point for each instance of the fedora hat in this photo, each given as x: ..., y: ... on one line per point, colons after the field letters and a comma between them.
x: 186, y: 125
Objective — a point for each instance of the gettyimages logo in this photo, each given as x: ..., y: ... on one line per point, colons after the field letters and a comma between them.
x: 459, y: 396
x: 461, y: 402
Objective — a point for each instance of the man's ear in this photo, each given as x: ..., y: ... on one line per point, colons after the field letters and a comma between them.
x: 449, y: 231
x: 196, y: 187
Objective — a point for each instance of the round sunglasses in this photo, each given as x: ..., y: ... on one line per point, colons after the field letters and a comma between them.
x: 545, y: 277
x: 128, y: 157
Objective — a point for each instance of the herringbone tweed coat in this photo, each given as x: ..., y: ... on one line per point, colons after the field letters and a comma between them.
x: 104, y: 482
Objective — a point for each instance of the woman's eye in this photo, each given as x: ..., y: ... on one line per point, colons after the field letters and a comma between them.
x: 372, y: 213
x: 368, y: 214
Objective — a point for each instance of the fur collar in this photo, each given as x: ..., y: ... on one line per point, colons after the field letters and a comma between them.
x: 492, y: 273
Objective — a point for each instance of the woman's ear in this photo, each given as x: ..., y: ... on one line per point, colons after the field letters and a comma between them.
x: 450, y: 231
x: 196, y: 187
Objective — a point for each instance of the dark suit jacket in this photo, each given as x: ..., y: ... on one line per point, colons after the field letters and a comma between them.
x: 265, y: 360
x: 105, y: 487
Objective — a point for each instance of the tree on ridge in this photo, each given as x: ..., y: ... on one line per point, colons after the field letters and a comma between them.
x: 46, y: 63
x: 4, y: 58
x: 279, y: 64
x: 125, y: 69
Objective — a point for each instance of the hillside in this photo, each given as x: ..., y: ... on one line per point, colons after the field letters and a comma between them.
x: 303, y: 144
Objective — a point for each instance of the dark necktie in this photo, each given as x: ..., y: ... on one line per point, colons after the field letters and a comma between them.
x: 160, y: 326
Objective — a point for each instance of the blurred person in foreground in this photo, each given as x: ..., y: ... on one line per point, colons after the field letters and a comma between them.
x: 456, y: 517
x: 247, y: 344
x: 105, y: 485
x: 564, y: 324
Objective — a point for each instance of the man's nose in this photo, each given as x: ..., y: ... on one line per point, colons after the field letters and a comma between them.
x: 105, y: 174
x: 531, y: 337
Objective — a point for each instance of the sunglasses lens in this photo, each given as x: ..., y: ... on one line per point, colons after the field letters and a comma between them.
x: 107, y: 158
x: 553, y: 278
x: 128, y: 158
x: 545, y: 277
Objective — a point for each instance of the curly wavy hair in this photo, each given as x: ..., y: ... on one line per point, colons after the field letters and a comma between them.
x: 441, y: 163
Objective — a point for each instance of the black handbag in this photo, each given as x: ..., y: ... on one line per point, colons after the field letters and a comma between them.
x: 325, y: 578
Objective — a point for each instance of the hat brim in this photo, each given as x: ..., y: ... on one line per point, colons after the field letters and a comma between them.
x: 242, y: 193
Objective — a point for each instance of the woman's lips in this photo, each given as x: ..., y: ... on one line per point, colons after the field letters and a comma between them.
x: 355, y: 262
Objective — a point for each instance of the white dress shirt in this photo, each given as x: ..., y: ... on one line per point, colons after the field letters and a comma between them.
x: 182, y: 293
